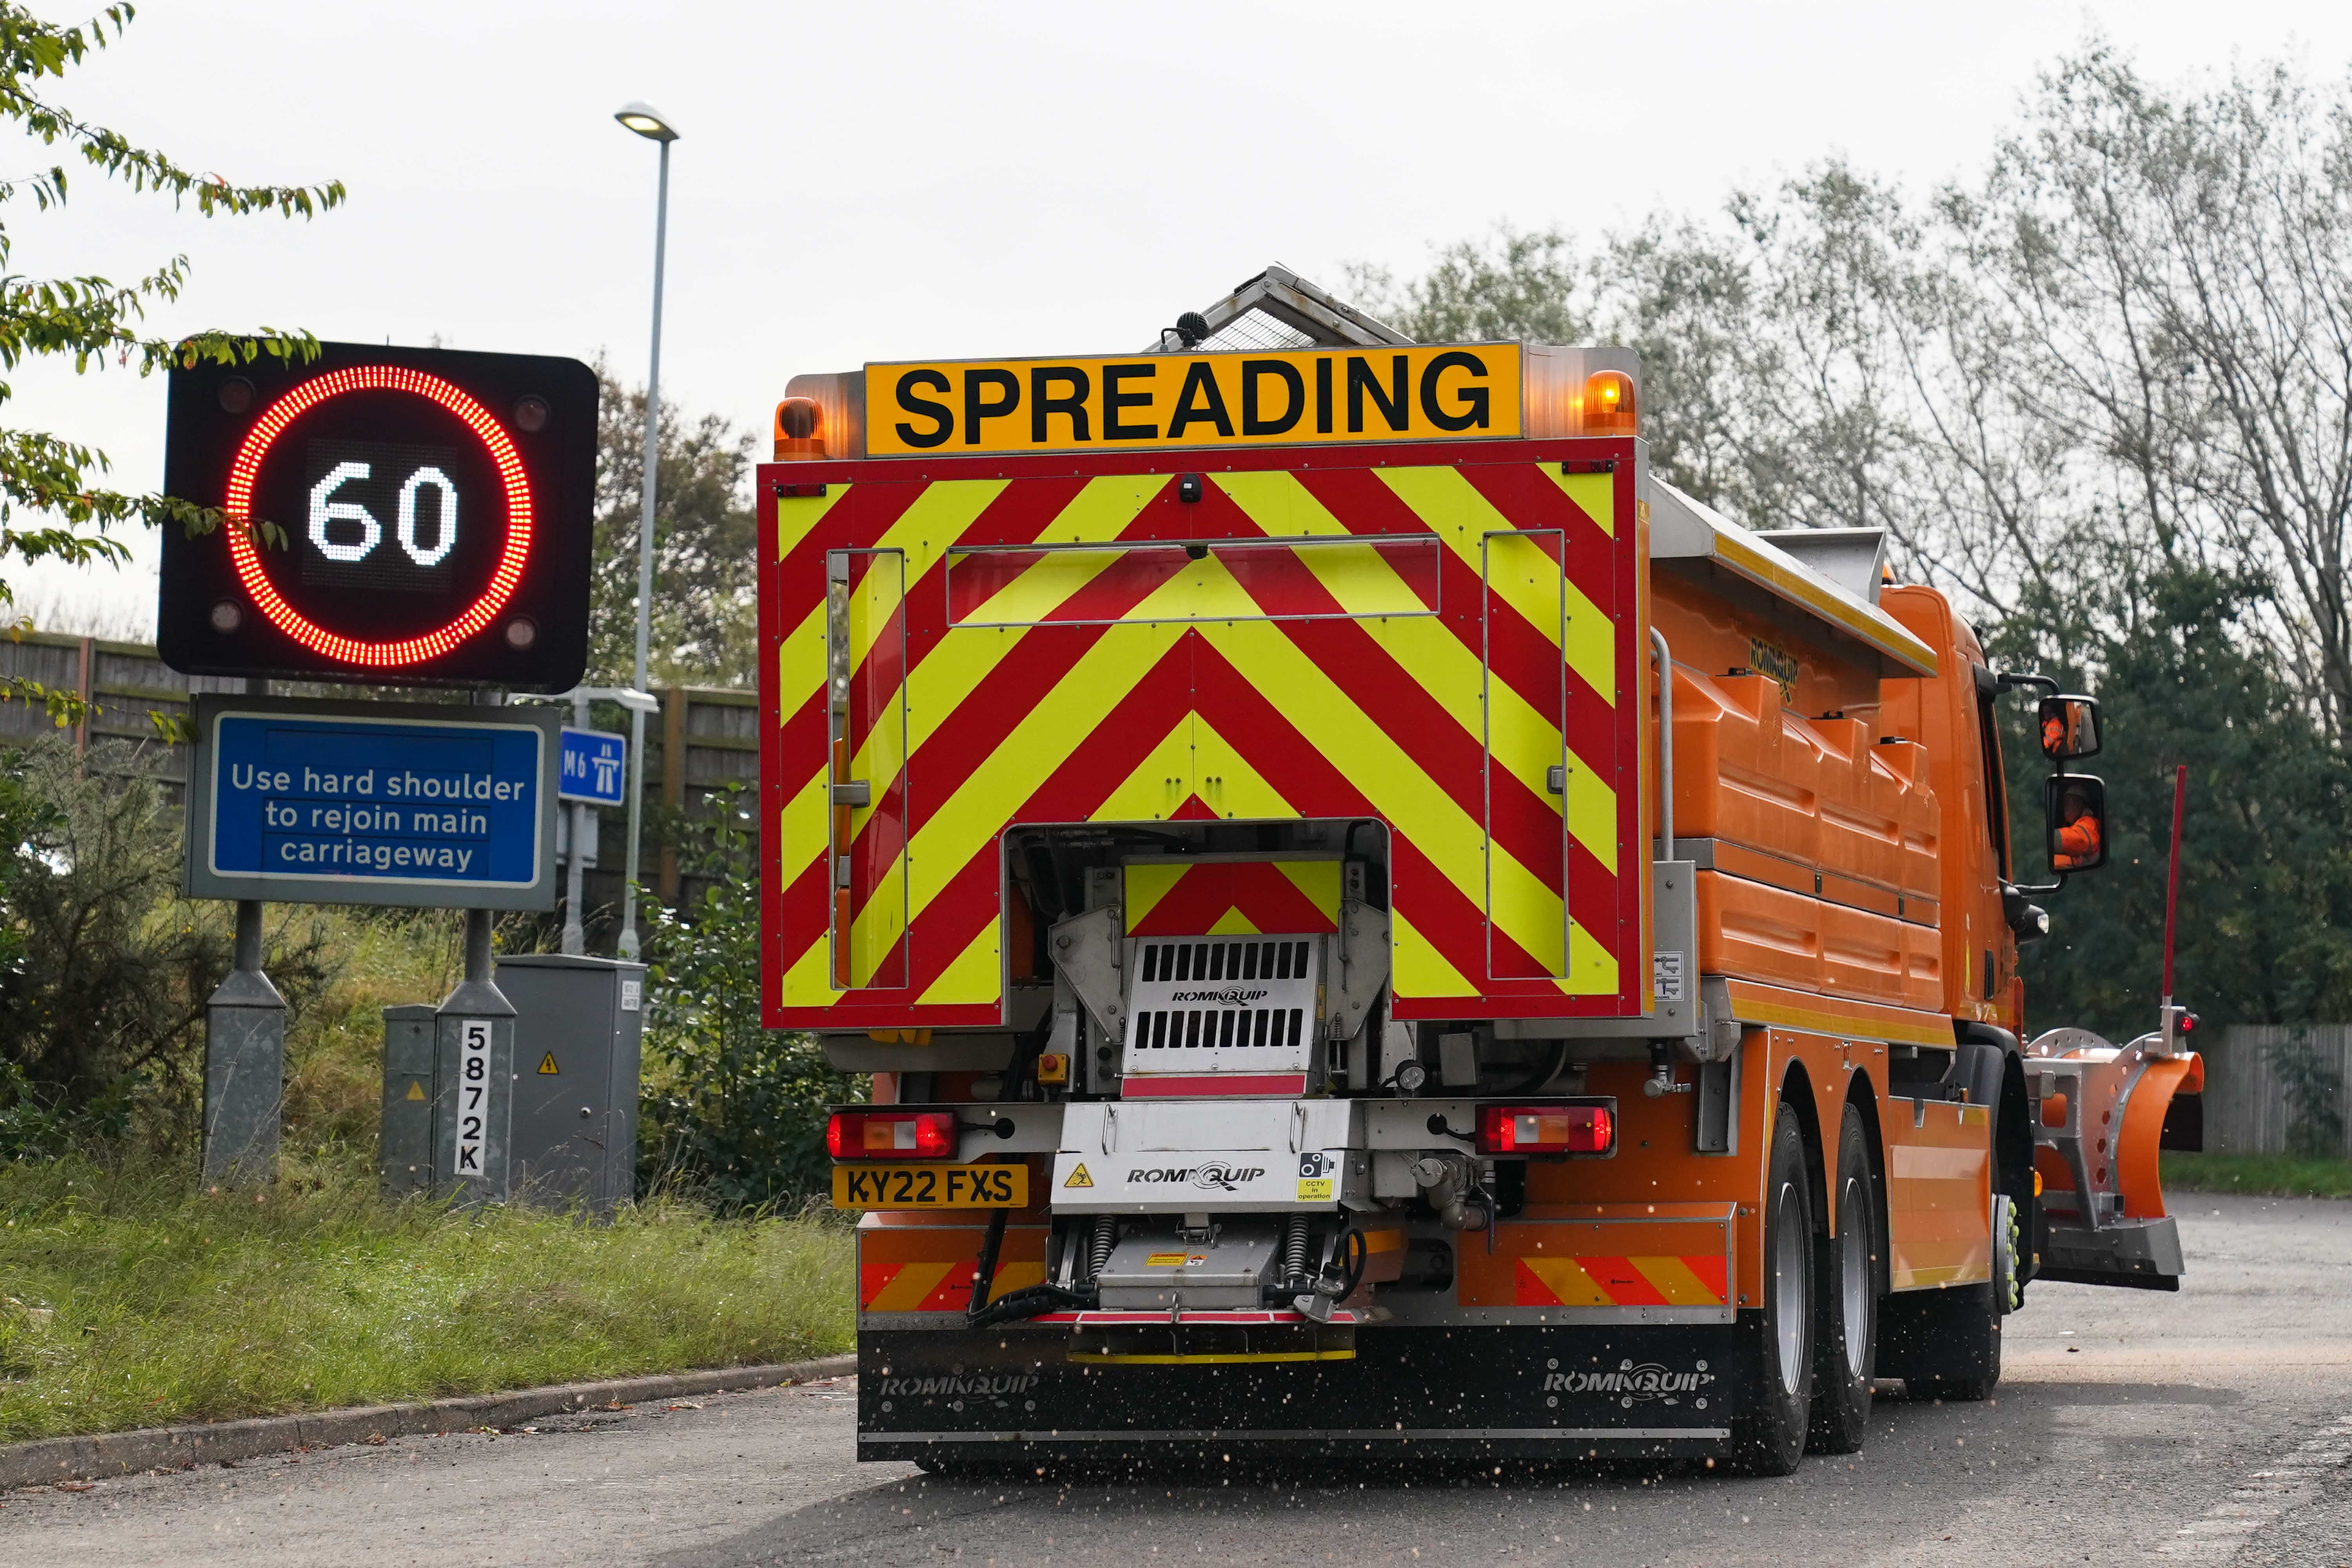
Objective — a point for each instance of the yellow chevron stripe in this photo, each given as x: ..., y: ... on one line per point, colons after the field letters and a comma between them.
x: 1676, y: 1281
x: 962, y: 660
x: 1227, y: 783
x: 1158, y: 785
x: 797, y: 516
x: 908, y: 1287
x: 807, y: 980
x: 949, y: 835
x: 800, y: 664
x: 1233, y: 923
x: 1596, y: 493
x: 1319, y: 880
x: 1011, y: 1277
x: 1400, y: 792
x: 976, y: 976
x: 1420, y: 969
x: 1146, y: 885
x: 1099, y: 512
x: 1526, y: 739
x: 1458, y: 514
x: 1566, y: 1280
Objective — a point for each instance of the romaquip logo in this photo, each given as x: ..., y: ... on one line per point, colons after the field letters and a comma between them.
x: 1231, y: 997
x: 1216, y: 1174
x: 1630, y: 1381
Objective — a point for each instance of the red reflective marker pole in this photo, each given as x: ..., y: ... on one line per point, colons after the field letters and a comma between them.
x: 2172, y: 894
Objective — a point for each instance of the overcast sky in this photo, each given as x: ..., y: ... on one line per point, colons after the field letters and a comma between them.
x: 873, y: 181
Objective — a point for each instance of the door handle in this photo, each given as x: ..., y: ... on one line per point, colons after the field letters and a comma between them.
x: 1555, y: 778
x: 853, y: 792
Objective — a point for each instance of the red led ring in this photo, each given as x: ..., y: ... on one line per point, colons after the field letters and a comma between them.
x: 238, y: 504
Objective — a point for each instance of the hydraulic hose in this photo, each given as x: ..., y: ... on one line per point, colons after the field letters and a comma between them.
x: 1020, y: 1305
x: 1358, y: 1254
x: 984, y: 1278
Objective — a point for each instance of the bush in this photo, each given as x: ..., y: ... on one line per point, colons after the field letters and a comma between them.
x: 731, y: 1106
x: 104, y: 969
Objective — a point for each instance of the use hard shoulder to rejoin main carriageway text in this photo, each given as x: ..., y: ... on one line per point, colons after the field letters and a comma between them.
x: 404, y: 786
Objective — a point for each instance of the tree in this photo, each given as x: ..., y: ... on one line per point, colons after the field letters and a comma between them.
x: 1514, y: 285
x: 51, y: 504
x: 705, y: 626
x: 2265, y: 925
x: 2179, y: 264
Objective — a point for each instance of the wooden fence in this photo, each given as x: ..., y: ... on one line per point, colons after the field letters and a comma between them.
x: 2247, y: 1111
x: 704, y: 740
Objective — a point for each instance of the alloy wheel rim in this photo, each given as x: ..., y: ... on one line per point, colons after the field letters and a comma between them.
x: 1853, y: 1278
x: 1788, y: 1289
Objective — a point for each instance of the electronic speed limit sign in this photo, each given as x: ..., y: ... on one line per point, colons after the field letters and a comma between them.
x: 432, y: 513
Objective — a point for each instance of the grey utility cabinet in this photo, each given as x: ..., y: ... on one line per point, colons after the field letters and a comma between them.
x: 578, y: 1025
x: 404, y: 1157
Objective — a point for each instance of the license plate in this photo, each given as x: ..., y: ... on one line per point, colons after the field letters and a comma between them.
x: 931, y: 1186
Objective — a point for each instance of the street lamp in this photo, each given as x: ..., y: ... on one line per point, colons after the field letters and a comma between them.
x: 654, y: 126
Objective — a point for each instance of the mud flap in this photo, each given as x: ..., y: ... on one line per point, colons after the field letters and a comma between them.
x: 1516, y: 1391
x: 1938, y: 1335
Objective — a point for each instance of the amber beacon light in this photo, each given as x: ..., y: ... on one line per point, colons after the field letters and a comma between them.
x: 385, y: 515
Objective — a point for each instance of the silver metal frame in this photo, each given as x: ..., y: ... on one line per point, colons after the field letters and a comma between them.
x: 1486, y: 736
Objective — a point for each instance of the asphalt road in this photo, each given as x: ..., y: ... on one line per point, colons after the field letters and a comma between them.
x: 2215, y: 1425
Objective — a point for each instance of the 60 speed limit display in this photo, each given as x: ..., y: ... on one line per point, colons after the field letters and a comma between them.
x: 386, y: 515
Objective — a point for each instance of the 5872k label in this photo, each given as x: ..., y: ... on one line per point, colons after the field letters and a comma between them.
x: 931, y: 1186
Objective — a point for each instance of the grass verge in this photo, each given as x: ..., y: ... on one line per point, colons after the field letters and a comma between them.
x: 2278, y: 1175
x: 127, y: 1301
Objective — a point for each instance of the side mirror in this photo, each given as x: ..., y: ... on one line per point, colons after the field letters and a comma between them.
x: 2075, y: 805
x: 2069, y: 728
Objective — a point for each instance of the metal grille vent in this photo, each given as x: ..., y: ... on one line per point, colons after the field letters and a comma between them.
x: 1211, y: 1003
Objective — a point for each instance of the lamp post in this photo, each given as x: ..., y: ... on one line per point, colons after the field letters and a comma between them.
x: 654, y: 126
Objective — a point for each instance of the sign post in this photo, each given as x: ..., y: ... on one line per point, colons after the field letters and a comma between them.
x: 473, y: 1116
x: 388, y: 804
x: 591, y: 776
x: 244, y: 1065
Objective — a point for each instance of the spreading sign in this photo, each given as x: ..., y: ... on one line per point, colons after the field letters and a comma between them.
x: 947, y: 408
x: 393, y: 516
x: 372, y: 804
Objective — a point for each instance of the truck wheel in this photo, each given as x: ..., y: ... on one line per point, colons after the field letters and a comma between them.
x: 1769, y: 1437
x: 1845, y: 1332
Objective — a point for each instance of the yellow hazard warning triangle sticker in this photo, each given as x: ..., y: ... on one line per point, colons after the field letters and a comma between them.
x: 547, y: 1065
x: 1079, y: 1178
x: 415, y: 1089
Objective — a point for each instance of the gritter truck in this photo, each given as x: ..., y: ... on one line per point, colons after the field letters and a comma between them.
x: 1381, y: 926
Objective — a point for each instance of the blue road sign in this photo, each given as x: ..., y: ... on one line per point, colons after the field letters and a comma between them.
x: 592, y: 766
x: 372, y: 804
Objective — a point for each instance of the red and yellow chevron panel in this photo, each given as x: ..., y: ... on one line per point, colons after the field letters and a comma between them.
x: 1439, y: 637
x: 1231, y: 898
x: 929, y: 1268
x: 1624, y: 1255
x: 1638, y: 1281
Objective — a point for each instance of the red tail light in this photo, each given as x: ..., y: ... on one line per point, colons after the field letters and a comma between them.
x: 1546, y: 1129
x: 891, y: 1134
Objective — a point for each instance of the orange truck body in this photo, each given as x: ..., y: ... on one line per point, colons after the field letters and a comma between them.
x: 1360, y: 722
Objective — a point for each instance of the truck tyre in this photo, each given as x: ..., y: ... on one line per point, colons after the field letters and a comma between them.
x: 1846, y: 1293
x: 1768, y: 1437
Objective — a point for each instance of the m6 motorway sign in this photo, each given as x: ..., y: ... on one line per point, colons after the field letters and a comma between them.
x: 595, y: 764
